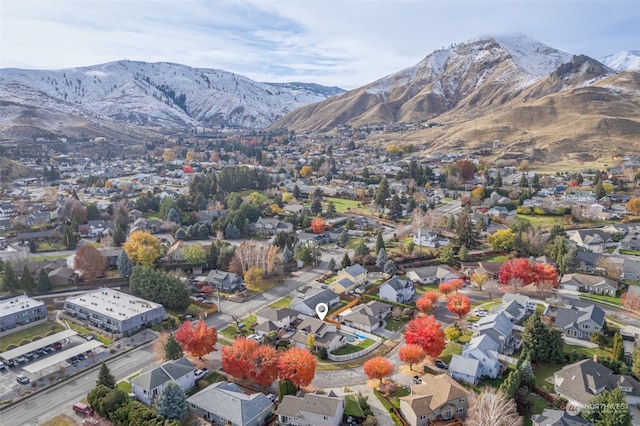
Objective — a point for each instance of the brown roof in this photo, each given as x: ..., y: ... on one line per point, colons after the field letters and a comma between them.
x: 434, y: 392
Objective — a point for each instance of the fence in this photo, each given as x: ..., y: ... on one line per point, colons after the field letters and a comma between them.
x: 377, y: 342
x: 508, y: 359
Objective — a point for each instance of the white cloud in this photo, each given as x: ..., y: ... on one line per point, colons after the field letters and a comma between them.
x: 347, y: 43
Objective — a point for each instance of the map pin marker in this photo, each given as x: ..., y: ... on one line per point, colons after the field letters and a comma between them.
x: 321, y: 310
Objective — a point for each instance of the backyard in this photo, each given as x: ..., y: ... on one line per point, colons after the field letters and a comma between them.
x: 26, y: 336
x: 353, y: 348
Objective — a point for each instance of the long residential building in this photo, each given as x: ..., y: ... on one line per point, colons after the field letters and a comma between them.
x: 20, y: 311
x: 115, y: 312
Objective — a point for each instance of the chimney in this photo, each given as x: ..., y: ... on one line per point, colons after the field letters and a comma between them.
x: 595, y: 358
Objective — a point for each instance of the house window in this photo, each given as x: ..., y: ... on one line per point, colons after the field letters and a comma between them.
x: 460, y: 410
x: 325, y: 418
x: 586, y: 326
x: 462, y: 399
x: 447, y: 414
x: 193, y: 405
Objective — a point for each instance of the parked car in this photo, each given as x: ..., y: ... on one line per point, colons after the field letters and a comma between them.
x: 57, y: 346
x: 73, y: 360
x: 21, y: 360
x: 91, y: 336
x: 82, y: 409
x: 81, y: 357
x: 11, y: 363
x: 41, y: 351
x: 255, y: 337
x: 272, y: 397
x: 2, y: 365
x: 442, y: 365
x: 22, y: 379
x: 48, y: 348
x: 201, y: 373
x: 417, y: 380
x: 29, y: 355
x: 479, y: 312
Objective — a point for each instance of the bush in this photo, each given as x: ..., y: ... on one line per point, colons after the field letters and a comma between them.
x: 36, y: 338
x: 51, y: 332
x: 24, y: 342
x: 51, y: 308
x: 11, y: 346
x: 323, y: 354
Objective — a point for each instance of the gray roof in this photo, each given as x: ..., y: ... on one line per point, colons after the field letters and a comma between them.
x: 462, y: 365
x: 397, y: 283
x: 355, y: 270
x: 558, y: 418
x: 169, y: 371
x: 483, y: 343
x: 274, y: 314
x: 588, y: 280
x: 499, y: 323
x: 313, y: 297
x: 571, y: 316
x: 229, y: 402
x: 323, y: 405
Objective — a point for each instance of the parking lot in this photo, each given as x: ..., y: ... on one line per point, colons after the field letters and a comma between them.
x: 51, y: 357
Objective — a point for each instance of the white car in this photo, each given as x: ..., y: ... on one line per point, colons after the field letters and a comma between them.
x: 481, y: 312
x: 201, y: 373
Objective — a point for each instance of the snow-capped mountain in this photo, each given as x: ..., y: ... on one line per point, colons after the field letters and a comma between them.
x: 627, y: 60
x: 163, y: 95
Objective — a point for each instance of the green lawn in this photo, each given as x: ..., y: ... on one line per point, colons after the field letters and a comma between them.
x: 342, y: 205
x: 124, y: 386
x: 542, y: 371
x: 395, y: 325
x: 285, y: 302
x: 262, y: 286
x: 602, y: 298
x: 354, y: 242
x: 537, y: 405
x: 350, y: 349
x: 352, y: 408
x: 40, y: 330
x: 588, y: 352
x: 449, y: 351
x: 496, y: 258
x: 631, y: 252
x: 400, y: 392
x: 545, y: 222
x: 84, y: 331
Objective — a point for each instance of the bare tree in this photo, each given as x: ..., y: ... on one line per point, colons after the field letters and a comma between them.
x: 492, y: 407
x: 611, y: 267
x: 535, y: 240
x: 491, y: 287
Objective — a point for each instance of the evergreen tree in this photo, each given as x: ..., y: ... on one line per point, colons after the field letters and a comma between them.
x: 346, y: 260
x: 466, y: 233
x: 105, y: 377
x: 609, y: 408
x: 446, y: 254
x: 618, y: 347
x: 361, y: 249
x: 287, y: 254
x: 174, y: 216
x: 451, y: 223
x: 316, y: 206
x: 331, y: 209
x: 331, y: 265
x: 296, y: 192
x: 33, y: 247
x: 382, y: 193
x: 390, y: 268
x: 26, y: 279
x: 523, y: 180
x: 9, y: 279
x: 395, y: 208
x: 119, y: 237
x: 598, y: 191
x: 172, y: 401
x: 69, y: 238
x: 343, y: 239
x: 172, y: 349
x: 382, y: 258
x: 463, y: 254
x: 635, y: 362
x: 124, y: 264
x: 497, y: 182
x: 511, y: 385
x: 44, y: 283
x: 379, y: 242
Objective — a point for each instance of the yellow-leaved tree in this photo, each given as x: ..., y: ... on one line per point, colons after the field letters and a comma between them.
x: 142, y: 248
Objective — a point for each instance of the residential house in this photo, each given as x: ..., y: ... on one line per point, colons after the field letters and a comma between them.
x: 432, y: 274
x: 148, y: 384
x: 63, y: 276
x: 528, y: 303
x: 37, y: 218
x: 579, y: 322
x: 311, y: 409
x: 425, y: 238
x: 492, y: 269
x: 589, y: 284
x: 306, y: 304
x: 349, y: 278
x: 584, y: 380
x: 225, y: 403
x: 395, y: 289
x: 111, y: 255
x: 325, y: 335
x: 464, y: 369
x: 500, y: 329
x: 437, y: 398
x: 8, y: 210
x: 225, y: 281
x: 273, y: 320
x: 512, y: 309
x: 551, y: 417
x: 367, y: 317
x: 271, y: 226
x: 591, y: 240
x: 210, y: 215
x: 485, y: 350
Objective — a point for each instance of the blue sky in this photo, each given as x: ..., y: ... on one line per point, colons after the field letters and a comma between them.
x: 346, y: 43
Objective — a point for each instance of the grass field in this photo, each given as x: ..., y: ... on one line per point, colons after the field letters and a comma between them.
x: 351, y: 407
x: 264, y: 285
x: 541, y: 372
x: 285, y: 302
x: 349, y: 348
x: 544, y: 222
x: 28, y: 334
x: 449, y: 351
x: 342, y: 205
x: 601, y: 298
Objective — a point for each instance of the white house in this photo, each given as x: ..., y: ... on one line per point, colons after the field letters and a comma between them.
x: 311, y: 409
x: 148, y: 384
x: 397, y: 290
x: 485, y: 350
x: 465, y: 369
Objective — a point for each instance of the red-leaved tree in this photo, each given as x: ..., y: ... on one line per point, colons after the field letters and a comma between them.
x: 424, y: 304
x: 426, y: 332
x: 457, y: 284
x: 298, y: 366
x: 377, y: 367
x: 318, y: 225
x: 265, y: 365
x: 411, y: 354
x: 237, y: 359
x: 630, y: 300
x: 446, y: 288
x: 459, y: 304
x: 197, y: 339
x: 519, y: 270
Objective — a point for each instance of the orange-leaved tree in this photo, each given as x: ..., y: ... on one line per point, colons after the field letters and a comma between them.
x: 459, y: 304
x: 90, y: 262
x: 196, y: 339
x: 318, y: 225
x: 237, y: 359
x: 426, y: 332
x: 377, y: 367
x: 142, y: 248
x: 298, y: 366
x: 265, y: 365
x: 411, y: 354
x: 457, y: 284
x: 446, y: 288
x: 424, y: 304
